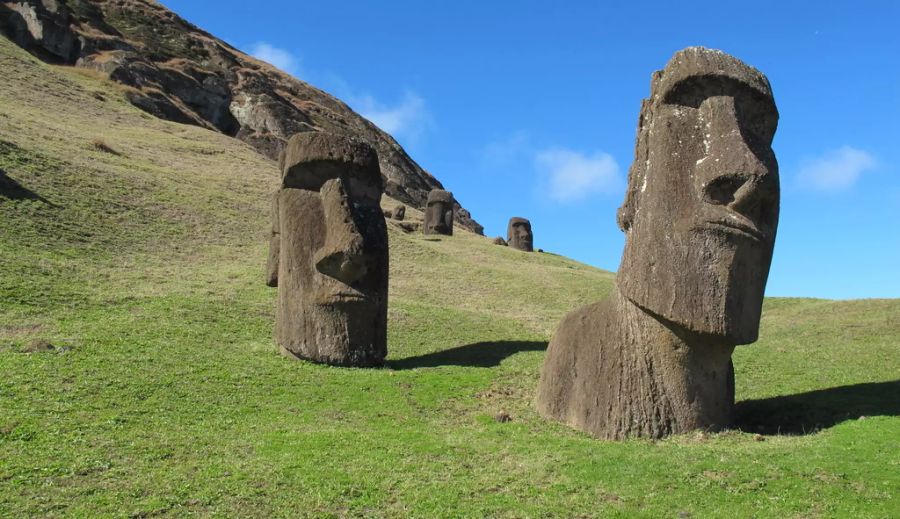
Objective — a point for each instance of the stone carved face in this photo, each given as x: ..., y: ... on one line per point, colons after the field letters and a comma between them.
x: 333, y: 270
x: 701, y: 211
x: 439, y: 212
x: 519, y: 234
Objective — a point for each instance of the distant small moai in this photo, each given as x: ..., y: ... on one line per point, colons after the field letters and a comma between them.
x: 399, y: 213
x: 439, y: 213
x: 328, y: 252
x: 655, y: 358
x: 519, y: 235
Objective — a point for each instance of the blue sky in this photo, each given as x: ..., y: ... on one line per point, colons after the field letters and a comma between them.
x: 530, y: 109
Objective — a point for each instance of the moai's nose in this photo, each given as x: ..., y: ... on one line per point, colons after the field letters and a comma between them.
x: 342, y: 256
x: 730, y: 173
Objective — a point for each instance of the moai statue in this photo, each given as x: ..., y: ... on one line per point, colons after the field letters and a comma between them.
x: 399, y: 213
x: 700, y: 216
x: 439, y: 213
x: 330, y: 247
x: 519, y: 235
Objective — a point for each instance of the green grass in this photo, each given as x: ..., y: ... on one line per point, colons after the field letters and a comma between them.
x: 165, y: 395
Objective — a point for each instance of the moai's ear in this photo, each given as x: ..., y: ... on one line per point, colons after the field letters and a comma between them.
x: 638, y: 172
x: 274, y: 245
x: 281, y: 163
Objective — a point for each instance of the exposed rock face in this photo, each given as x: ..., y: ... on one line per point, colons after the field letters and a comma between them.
x: 181, y: 73
x: 41, y: 27
x: 519, y: 235
x: 700, y: 217
x: 439, y: 213
x: 332, y: 252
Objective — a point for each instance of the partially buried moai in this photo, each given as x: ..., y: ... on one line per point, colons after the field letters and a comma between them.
x: 439, y: 213
x: 700, y: 216
x: 519, y: 235
x: 329, y: 252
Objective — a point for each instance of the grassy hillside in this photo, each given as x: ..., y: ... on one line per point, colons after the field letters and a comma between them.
x: 136, y: 248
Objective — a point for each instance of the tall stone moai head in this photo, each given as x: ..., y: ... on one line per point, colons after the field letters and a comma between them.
x: 701, y: 209
x: 519, y: 235
x: 439, y: 212
x: 333, y: 252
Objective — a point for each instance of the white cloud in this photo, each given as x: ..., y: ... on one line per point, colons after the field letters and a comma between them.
x: 408, y: 118
x: 836, y: 169
x: 570, y: 176
x: 278, y: 57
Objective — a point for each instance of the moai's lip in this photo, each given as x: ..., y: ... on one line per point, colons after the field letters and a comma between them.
x: 345, y: 298
x: 734, y: 227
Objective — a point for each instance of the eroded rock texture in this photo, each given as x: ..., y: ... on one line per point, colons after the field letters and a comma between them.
x: 519, y: 235
x: 330, y: 246
x: 439, y: 213
x: 178, y: 72
x: 700, y: 217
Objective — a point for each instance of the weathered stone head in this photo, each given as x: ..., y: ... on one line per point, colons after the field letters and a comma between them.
x: 701, y: 209
x: 399, y: 212
x: 439, y: 212
x: 699, y: 217
x: 519, y: 235
x: 333, y: 260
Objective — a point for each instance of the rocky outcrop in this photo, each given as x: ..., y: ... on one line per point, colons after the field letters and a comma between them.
x: 178, y: 72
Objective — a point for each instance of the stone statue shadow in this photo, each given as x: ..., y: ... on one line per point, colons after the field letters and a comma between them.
x: 810, y: 412
x: 13, y: 190
x: 479, y: 355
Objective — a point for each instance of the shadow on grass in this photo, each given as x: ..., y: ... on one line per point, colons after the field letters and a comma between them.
x: 479, y: 355
x: 807, y: 413
x: 13, y: 190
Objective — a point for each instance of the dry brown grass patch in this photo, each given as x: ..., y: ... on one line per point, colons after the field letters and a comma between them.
x: 100, y: 145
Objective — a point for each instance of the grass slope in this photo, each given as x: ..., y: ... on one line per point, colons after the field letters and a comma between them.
x: 136, y: 247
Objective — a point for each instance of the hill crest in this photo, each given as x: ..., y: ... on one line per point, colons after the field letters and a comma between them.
x: 177, y: 71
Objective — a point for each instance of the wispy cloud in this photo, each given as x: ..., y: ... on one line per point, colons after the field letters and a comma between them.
x: 280, y: 58
x: 835, y: 170
x: 408, y: 118
x: 505, y: 151
x: 570, y: 176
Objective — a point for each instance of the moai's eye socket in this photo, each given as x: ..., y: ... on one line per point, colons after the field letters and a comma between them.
x: 757, y: 117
